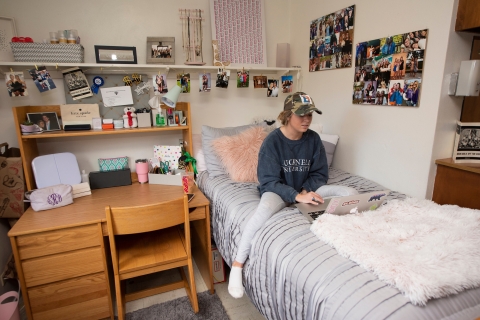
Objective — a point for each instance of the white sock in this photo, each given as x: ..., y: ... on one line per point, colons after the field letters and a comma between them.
x: 235, y: 285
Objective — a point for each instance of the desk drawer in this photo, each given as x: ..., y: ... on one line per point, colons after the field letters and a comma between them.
x: 85, y: 297
x: 63, y: 266
x: 58, y: 241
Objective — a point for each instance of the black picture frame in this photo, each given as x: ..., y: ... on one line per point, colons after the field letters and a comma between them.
x: 35, y: 117
x: 124, y: 55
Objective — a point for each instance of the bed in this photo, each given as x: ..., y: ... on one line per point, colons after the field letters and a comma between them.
x: 291, y: 274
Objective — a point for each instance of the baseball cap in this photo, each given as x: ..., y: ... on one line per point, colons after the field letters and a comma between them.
x: 300, y: 103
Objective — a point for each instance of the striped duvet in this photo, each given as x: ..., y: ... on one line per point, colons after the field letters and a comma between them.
x: 290, y: 274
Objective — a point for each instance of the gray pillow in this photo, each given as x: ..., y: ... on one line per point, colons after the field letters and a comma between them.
x: 330, y: 143
x: 213, y: 163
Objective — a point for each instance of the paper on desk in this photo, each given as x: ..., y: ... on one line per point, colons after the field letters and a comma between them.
x: 117, y: 96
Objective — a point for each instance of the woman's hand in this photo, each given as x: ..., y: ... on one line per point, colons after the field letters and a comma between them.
x: 309, y: 197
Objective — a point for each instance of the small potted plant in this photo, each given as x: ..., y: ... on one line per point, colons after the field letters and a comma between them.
x: 29, y: 127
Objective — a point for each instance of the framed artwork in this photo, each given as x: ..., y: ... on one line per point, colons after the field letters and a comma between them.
x: 48, y: 121
x: 116, y: 55
x: 331, y: 38
x: 388, y: 71
x: 161, y: 50
x: 231, y: 19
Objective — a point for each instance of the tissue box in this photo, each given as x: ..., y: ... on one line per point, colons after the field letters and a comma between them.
x: 144, y: 120
x: 47, y: 52
x: 168, y: 179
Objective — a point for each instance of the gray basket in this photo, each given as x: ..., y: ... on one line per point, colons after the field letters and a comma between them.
x: 47, y: 52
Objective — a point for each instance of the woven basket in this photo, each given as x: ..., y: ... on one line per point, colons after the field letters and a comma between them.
x: 47, y: 52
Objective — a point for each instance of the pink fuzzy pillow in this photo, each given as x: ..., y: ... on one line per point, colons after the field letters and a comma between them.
x: 239, y: 153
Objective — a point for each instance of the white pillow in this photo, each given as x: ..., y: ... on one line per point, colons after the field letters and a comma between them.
x: 330, y: 143
x: 198, y: 152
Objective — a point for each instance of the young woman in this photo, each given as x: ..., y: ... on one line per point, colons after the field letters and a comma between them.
x: 18, y: 86
x: 292, y: 167
x: 401, y: 67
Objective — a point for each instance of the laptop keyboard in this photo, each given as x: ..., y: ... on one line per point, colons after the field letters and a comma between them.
x: 316, y: 214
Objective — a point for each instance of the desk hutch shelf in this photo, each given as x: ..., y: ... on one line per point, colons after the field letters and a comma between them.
x: 28, y: 143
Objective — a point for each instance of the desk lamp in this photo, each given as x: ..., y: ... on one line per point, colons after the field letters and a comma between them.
x: 170, y: 99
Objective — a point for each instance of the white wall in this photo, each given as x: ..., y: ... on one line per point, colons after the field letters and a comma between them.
x: 129, y: 23
x: 389, y: 145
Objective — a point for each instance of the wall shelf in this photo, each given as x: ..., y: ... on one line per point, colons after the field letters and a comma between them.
x: 149, y: 69
x: 29, y: 143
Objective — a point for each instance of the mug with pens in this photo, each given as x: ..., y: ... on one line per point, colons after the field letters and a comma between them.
x: 159, y: 167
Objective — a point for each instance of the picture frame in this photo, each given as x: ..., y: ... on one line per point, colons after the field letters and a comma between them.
x: 160, y: 50
x: 115, y: 54
x: 42, y: 118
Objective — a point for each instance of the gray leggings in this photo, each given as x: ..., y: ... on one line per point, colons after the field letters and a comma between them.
x: 271, y: 203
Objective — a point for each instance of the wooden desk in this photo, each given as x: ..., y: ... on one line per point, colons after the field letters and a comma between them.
x: 62, y: 254
x: 457, y: 183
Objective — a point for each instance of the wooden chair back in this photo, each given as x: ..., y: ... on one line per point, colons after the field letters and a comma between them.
x: 140, y: 219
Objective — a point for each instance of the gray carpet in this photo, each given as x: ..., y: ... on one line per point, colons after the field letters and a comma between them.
x: 180, y: 309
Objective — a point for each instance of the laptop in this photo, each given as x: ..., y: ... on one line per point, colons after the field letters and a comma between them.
x: 344, y: 205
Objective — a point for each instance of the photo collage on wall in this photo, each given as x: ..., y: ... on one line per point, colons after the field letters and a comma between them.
x: 331, y: 39
x: 388, y: 71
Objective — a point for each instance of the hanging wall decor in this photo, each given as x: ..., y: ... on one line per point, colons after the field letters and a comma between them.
x: 239, y: 29
x: 331, y: 38
x: 192, y: 35
x: 389, y: 71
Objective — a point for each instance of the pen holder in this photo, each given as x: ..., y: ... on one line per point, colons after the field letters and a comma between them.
x: 187, y: 181
x: 142, y: 171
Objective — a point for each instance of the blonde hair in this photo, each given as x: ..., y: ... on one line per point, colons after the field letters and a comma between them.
x: 284, y: 116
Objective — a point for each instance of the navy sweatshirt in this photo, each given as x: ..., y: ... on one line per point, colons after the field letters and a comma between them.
x: 286, y: 166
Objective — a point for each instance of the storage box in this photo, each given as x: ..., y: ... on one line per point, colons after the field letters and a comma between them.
x: 108, y: 179
x: 168, y: 179
x: 113, y: 164
x: 218, y: 266
x: 144, y: 120
x: 47, y: 52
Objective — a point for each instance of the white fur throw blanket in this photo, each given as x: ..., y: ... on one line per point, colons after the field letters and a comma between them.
x: 424, y: 249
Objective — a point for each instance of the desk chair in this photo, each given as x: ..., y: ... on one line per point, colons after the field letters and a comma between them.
x: 147, y: 239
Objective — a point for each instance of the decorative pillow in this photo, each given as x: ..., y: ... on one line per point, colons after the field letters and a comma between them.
x: 213, y: 163
x: 198, y: 152
x: 330, y: 143
x: 239, y: 153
